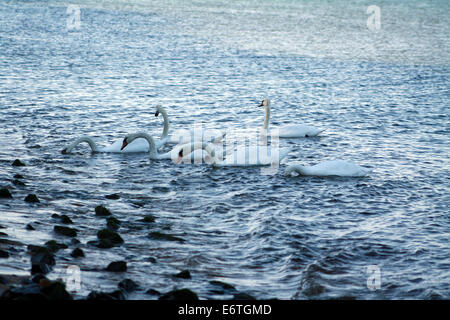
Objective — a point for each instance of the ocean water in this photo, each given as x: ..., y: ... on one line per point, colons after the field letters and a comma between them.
x: 381, y: 94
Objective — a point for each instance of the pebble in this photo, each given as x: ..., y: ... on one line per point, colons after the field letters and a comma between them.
x: 31, y: 198
x: 117, y: 266
x: 181, y: 294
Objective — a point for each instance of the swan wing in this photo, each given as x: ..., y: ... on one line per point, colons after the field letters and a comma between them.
x: 298, y: 130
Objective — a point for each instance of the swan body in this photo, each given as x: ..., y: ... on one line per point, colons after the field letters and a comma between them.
x: 289, y: 131
x: 241, y: 157
x: 197, y: 155
x: 183, y: 136
x: 339, y: 168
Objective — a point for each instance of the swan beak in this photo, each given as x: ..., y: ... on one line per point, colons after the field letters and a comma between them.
x: 156, y: 113
x: 124, y: 144
x: 261, y: 104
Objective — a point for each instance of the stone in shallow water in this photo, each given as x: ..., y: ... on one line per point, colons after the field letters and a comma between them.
x: 54, y: 246
x: 101, y: 211
x: 30, y: 227
x: 18, y: 163
x: 181, y: 294
x: 106, y: 234
x: 185, y: 274
x: 65, y: 231
x: 242, y: 296
x: 4, y: 193
x: 4, y: 254
x: 117, y: 266
x: 162, y: 236
x: 42, y: 262
x: 77, y: 253
x: 113, y: 196
x: 153, y: 292
x: 102, y: 296
x: 128, y: 285
x: 31, y: 198
x: 65, y: 219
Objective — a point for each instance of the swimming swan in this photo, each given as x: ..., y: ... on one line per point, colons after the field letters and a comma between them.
x: 289, y: 131
x: 198, y: 155
x: 139, y: 145
x: 183, y: 136
x: 240, y: 157
x: 339, y: 168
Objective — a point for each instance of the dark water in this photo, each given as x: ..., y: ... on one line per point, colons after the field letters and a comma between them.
x: 272, y: 236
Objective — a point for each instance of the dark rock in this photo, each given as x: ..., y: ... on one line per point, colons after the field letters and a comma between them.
x: 113, y: 196
x: 117, y: 266
x: 18, y: 163
x: 27, y: 292
x: 185, y: 274
x: 18, y: 183
x: 109, y: 235
x: 222, y: 285
x: 128, y: 285
x: 242, y: 296
x: 18, y: 176
x: 153, y: 292
x: 65, y: 231
x: 112, y: 223
x: 32, y: 249
x: 31, y: 198
x: 55, y: 216
x: 102, y: 296
x: 101, y: 211
x: 38, y: 277
x: 4, y: 254
x: 4, y: 280
x: 30, y: 227
x: 4, y: 193
x: 182, y: 294
x: 55, y: 290
x: 148, y: 218
x: 42, y: 262
x: 162, y: 236
x: 65, y: 219
x: 77, y: 253
x: 151, y: 259
x: 54, y: 246
x: 102, y: 243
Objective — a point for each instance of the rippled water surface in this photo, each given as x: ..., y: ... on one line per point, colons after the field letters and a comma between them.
x: 382, y: 96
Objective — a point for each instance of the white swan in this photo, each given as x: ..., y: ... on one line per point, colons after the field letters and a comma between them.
x: 138, y: 145
x: 183, y: 136
x: 197, y: 156
x: 289, y: 131
x: 240, y: 157
x: 339, y: 168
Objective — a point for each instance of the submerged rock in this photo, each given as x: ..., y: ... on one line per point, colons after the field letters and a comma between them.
x: 30, y: 227
x: 153, y: 292
x: 162, y: 236
x: 65, y: 219
x: 42, y: 290
x: 54, y: 246
x: 112, y: 236
x: 112, y: 223
x: 148, y: 218
x: 243, y: 296
x: 185, y: 274
x: 18, y: 163
x: 113, y: 196
x: 101, y: 211
x: 4, y: 254
x: 31, y: 198
x: 54, y: 290
x: 181, y: 294
x: 102, y: 296
x: 222, y: 287
x: 128, y: 285
x: 18, y: 183
x: 117, y: 266
x: 18, y: 176
x: 77, y: 253
x: 4, y: 193
x: 42, y: 262
x: 65, y: 231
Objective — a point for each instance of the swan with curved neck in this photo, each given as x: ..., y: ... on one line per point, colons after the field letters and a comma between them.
x: 139, y: 145
x: 339, y: 168
x: 241, y: 156
x: 173, y: 154
x: 185, y: 135
x: 289, y: 131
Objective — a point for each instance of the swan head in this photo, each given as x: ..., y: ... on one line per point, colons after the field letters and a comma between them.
x: 158, y: 110
x: 191, y: 147
x: 131, y: 137
x: 264, y: 103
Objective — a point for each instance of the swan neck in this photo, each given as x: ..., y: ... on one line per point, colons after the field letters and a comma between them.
x: 88, y: 140
x: 267, y: 117
x: 166, y: 122
x: 151, y: 142
x: 295, y: 168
